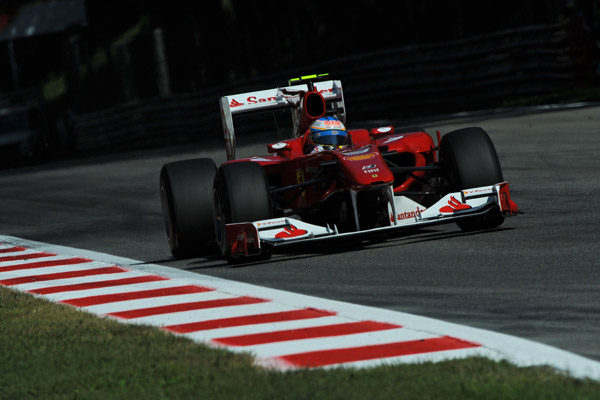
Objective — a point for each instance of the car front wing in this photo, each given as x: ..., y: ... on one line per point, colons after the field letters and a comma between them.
x: 250, y: 238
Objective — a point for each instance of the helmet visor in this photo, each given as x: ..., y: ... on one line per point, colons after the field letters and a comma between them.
x: 330, y: 138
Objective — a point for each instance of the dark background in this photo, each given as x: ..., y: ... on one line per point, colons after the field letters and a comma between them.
x: 106, y: 56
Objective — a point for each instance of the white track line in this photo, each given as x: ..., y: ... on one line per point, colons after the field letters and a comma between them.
x: 184, y: 317
x: 66, y: 296
x: 270, y: 350
x: 79, y: 280
x: 211, y: 334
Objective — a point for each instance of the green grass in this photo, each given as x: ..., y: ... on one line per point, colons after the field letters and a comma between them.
x: 52, y: 351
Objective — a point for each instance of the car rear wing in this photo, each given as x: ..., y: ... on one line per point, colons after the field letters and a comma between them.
x: 278, y: 98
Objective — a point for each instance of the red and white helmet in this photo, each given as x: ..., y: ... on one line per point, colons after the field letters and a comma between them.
x: 328, y: 133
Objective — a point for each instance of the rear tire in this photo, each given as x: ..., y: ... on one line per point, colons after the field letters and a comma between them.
x: 241, y: 194
x: 186, y: 200
x: 470, y: 160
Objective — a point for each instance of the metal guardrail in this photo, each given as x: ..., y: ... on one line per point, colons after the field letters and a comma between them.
x: 395, y: 83
x: 148, y: 122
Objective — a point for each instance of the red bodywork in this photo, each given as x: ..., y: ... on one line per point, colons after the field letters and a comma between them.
x: 362, y: 164
x: 386, y: 180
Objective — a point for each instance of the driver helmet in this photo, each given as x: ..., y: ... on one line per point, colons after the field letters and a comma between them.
x: 328, y: 133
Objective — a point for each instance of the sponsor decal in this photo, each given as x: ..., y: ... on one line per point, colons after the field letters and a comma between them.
x: 254, y: 100
x: 474, y: 191
x: 453, y: 206
x: 408, y: 214
x: 333, y: 123
x: 290, y: 232
x: 324, y: 91
x: 275, y: 222
x: 251, y: 100
x: 361, y: 157
x: 299, y: 176
x: 370, y: 169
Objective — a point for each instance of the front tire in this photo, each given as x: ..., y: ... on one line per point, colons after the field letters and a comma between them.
x: 470, y: 160
x: 186, y: 200
x: 240, y: 194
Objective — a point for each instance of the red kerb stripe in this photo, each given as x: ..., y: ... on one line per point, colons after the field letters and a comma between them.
x: 143, y: 294
x: 25, y: 256
x: 12, y: 249
x: 198, y: 305
x: 249, y: 320
x: 61, y: 275
x: 306, y: 333
x: 42, y: 264
x: 338, y: 356
x: 100, y: 284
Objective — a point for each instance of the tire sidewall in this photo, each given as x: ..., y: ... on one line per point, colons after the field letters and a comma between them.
x: 186, y: 202
x: 240, y: 194
x: 470, y: 160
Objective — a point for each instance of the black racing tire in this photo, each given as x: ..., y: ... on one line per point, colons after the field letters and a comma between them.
x: 240, y: 194
x: 470, y: 160
x: 186, y: 200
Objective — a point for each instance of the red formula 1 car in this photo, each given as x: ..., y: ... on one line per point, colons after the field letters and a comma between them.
x: 385, y: 180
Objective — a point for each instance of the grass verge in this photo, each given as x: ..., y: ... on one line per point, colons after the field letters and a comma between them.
x: 49, y: 350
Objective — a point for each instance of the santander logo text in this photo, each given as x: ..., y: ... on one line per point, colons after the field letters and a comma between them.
x: 258, y: 100
x: 251, y: 100
x: 406, y: 215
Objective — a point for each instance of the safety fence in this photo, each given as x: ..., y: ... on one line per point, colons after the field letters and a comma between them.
x: 395, y: 84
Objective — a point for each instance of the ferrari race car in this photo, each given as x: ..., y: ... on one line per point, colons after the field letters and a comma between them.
x: 384, y: 180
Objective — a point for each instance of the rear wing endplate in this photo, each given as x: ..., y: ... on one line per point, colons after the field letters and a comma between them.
x: 274, y: 99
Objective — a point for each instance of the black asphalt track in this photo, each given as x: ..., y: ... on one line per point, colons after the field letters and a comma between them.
x: 536, y: 277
